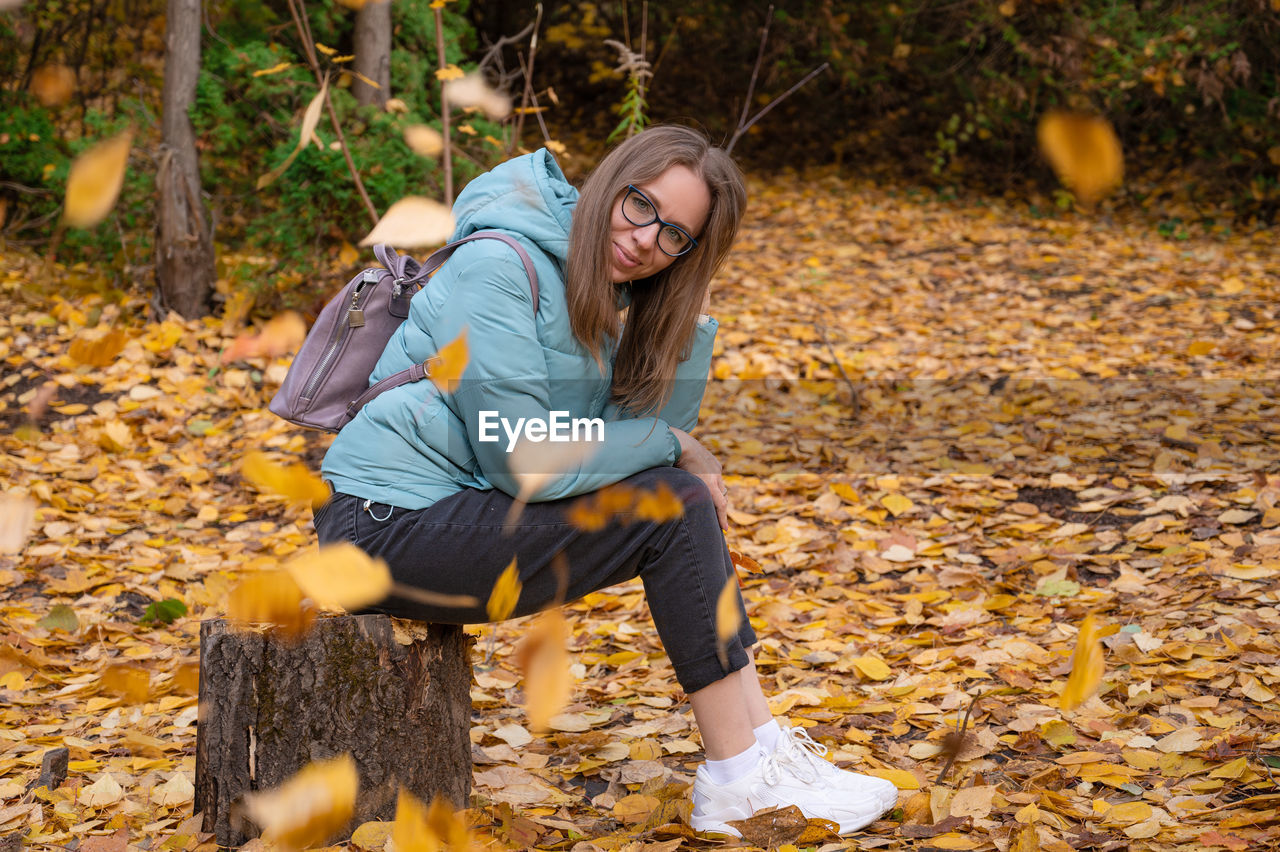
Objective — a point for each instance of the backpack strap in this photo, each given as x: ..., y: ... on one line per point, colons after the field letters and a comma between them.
x: 397, y: 265
x: 439, y: 256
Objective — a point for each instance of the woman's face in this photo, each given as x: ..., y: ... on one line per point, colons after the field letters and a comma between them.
x: 679, y: 197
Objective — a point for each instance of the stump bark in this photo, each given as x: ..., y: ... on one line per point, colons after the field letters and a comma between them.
x: 396, y: 695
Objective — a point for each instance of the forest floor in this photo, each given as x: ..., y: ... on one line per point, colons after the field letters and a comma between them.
x: 952, y: 431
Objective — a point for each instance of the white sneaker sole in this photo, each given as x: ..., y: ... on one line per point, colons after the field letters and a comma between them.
x: 847, y: 825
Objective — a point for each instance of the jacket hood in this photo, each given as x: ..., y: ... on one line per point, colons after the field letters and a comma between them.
x: 528, y: 195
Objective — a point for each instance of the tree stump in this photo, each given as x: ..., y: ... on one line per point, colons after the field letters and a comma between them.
x: 395, y: 694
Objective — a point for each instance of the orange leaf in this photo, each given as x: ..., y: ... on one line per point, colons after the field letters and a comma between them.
x: 1084, y: 152
x: 1087, y: 666
x: 548, y: 682
x: 450, y: 362
x: 128, y: 680
x: 270, y: 597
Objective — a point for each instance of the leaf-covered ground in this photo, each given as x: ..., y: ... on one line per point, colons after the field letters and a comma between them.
x: 952, y: 431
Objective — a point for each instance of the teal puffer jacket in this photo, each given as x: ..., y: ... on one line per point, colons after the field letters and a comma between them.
x: 414, y: 445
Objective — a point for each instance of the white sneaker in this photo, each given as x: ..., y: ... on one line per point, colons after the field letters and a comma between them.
x: 800, y: 747
x: 791, y: 775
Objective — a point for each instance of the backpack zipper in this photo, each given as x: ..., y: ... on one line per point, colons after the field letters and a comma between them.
x: 355, y: 319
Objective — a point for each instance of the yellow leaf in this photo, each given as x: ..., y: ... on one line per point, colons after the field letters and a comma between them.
x: 660, y: 505
x: 175, y: 792
x: 270, y: 597
x: 325, y: 49
x: 548, y: 681
x: 95, y: 179
x: 873, y: 668
x: 472, y: 91
x: 1084, y: 152
x: 274, y: 69
x: 897, y: 504
x: 371, y: 836
x: 424, y: 141
x: 846, y: 492
x: 1087, y: 666
x: 1233, y: 770
x: 412, y: 222
x: 17, y: 516
x: 410, y: 832
x: 310, y: 807
x: 449, y: 363
x: 340, y: 577
x: 101, y: 793
x: 1128, y: 813
x: 1024, y: 839
x: 635, y: 807
x: 310, y: 119
x: 901, y: 778
x: 1028, y: 815
x: 348, y: 254
x: 115, y: 437
x: 449, y: 72
x: 293, y: 481
x: 728, y: 617
x: 1201, y: 347
x: 283, y: 333
x: 1232, y: 285
x: 1008, y: 8
x: 128, y: 680
x: 505, y: 594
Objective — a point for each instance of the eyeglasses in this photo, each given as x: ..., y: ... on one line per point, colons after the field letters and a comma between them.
x: 639, y: 211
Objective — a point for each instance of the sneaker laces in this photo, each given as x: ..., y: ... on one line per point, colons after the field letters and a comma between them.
x: 798, y: 753
x: 801, y: 746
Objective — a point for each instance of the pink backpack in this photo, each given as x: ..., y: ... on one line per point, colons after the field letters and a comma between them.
x: 328, y: 381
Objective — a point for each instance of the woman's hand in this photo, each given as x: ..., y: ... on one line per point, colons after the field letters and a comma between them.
x: 698, y: 460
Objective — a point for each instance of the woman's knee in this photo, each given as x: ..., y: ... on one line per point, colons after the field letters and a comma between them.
x: 689, y: 487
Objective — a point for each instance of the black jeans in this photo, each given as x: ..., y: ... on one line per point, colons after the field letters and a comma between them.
x: 459, y: 546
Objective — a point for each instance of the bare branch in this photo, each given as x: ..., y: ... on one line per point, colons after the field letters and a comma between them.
x: 447, y: 158
x: 308, y: 44
x: 773, y: 103
x: 755, y: 72
x: 527, y: 95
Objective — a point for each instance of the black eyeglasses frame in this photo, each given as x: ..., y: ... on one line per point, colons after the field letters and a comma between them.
x: 693, y: 243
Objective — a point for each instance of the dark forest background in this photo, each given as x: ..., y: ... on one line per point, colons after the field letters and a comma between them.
x: 944, y: 94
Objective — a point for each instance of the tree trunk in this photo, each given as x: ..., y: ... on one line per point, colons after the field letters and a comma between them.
x: 373, y: 52
x: 395, y: 694
x: 184, y: 236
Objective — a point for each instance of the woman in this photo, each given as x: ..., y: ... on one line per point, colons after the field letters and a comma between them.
x: 421, y: 482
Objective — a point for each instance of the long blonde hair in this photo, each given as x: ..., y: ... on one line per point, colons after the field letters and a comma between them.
x: 664, y: 308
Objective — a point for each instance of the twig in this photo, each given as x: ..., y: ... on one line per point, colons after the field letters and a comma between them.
x: 528, y: 95
x: 961, y: 727
x: 773, y: 103
x: 1251, y: 800
x: 447, y: 162
x: 537, y: 110
x: 856, y: 402
x: 644, y: 40
x: 304, y: 32
x: 671, y: 36
x: 755, y: 72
